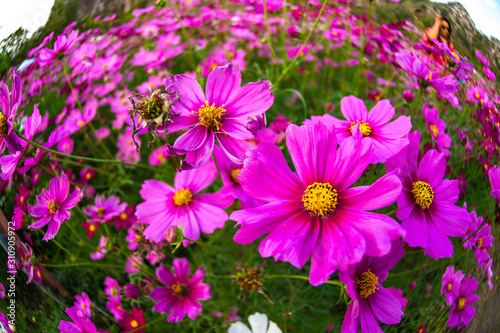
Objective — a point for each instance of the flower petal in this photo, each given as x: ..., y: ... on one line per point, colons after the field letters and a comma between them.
x: 222, y: 82
x: 252, y: 99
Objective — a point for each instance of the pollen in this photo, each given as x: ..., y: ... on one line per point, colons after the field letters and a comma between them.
x: 100, y: 212
x: 180, y: 290
x: 479, y: 242
x: 363, y: 127
x: 134, y: 323
x: 461, y: 303
x: 182, y: 197
x: 320, y: 198
x: 52, y: 206
x: 235, y: 173
x: 367, y: 283
x: 434, y: 130
x: 3, y: 125
x: 422, y: 194
x: 210, y: 116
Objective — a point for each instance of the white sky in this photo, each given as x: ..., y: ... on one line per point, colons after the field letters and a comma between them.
x: 484, y: 13
x: 29, y: 14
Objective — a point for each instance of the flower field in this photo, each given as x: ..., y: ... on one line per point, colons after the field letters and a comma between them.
x: 249, y: 166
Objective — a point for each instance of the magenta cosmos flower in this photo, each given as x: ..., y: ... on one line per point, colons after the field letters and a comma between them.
x: 494, y: 175
x: 104, y: 209
x: 8, y: 112
x: 489, y: 74
x: 182, y: 206
x: 313, y: 212
x: 371, y: 301
x: 220, y: 114
x: 427, y: 202
x: 437, y: 127
x: 451, y: 283
x: 462, y: 311
x: 53, y: 206
x: 181, y: 293
x: 483, y: 240
x: 387, y: 137
x: 81, y: 324
x: 83, y: 304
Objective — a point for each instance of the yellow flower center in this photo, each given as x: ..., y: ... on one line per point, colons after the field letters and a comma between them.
x: 3, y: 125
x: 213, y: 66
x: 434, y: 130
x: 52, y: 206
x: 422, y: 194
x: 335, y: 34
x: 92, y: 228
x: 104, y: 66
x: 363, y: 127
x: 210, y: 116
x: 179, y: 290
x: 38, y: 274
x: 84, y: 306
x: 448, y: 287
x: 235, y: 173
x: 430, y: 75
x: 134, y: 323
x: 367, y: 283
x: 320, y: 198
x: 88, y: 175
x: 479, y: 242
x: 455, y: 55
x: 80, y: 123
x: 100, y: 212
x: 477, y: 95
x: 461, y: 303
x: 119, y: 308
x: 182, y: 197
x: 123, y: 216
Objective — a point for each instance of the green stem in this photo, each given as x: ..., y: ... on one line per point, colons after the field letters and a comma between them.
x: 293, y: 62
x: 72, y: 256
x: 270, y: 37
x: 300, y: 277
x: 210, y: 248
x: 90, y: 159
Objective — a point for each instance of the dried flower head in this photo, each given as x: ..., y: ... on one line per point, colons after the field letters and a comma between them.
x: 154, y: 110
x: 250, y: 279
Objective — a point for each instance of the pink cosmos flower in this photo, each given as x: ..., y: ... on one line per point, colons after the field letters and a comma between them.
x: 83, y: 304
x: 53, y: 206
x: 477, y: 94
x: 112, y: 288
x: 437, y: 129
x: 130, y: 322
x: 427, y: 202
x: 181, y: 293
x: 104, y: 209
x: 451, y: 283
x: 387, y: 137
x: 81, y: 324
x: 133, y: 264
x: 101, y: 249
x: 483, y: 240
x: 229, y: 172
x: 314, y: 213
x: 61, y: 47
x: 220, y: 114
x: 475, y: 223
x: 494, y: 175
x: 485, y: 61
x: 489, y: 273
x: 182, y: 206
x: 8, y: 112
x: 462, y: 311
x: 8, y: 163
x: 371, y: 301
x: 115, y: 307
x: 489, y: 74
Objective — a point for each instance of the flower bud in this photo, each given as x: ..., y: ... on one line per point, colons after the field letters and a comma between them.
x: 132, y: 291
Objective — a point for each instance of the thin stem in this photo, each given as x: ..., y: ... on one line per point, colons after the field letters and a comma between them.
x: 72, y: 256
x: 293, y: 62
x: 300, y: 277
x: 270, y: 37
x: 90, y: 159
x: 210, y: 248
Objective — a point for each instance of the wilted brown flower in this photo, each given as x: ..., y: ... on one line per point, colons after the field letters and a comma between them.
x: 250, y: 279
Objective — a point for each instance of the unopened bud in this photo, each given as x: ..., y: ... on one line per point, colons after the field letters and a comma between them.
x: 174, y: 234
